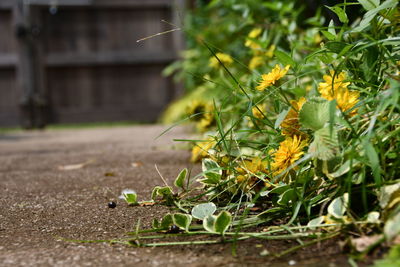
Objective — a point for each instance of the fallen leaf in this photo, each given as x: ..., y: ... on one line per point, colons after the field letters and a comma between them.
x: 109, y: 174
x: 147, y: 203
x: 363, y: 242
x: 136, y: 164
x: 74, y: 166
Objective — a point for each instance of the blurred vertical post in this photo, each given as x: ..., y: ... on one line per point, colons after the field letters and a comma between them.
x: 30, y: 72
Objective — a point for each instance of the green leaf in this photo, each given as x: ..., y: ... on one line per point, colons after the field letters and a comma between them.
x: 314, y: 113
x: 268, y: 213
x: 392, y: 227
x: 222, y: 222
x: 280, y: 118
x: 279, y: 189
x: 370, y: 15
x: 180, y: 180
x: 345, y: 168
x: 316, y: 221
x: 340, y: 13
x: 154, y: 193
x: 287, y: 198
x: 284, y: 58
x: 386, y: 194
x: 203, y: 210
x: 373, y: 217
x: 155, y: 224
x: 325, y: 145
x: 211, y: 171
x: 373, y: 160
x: 338, y: 206
x: 209, y: 223
x: 131, y: 198
x: 182, y: 220
x: 329, y: 35
x: 337, y: 47
x: 369, y: 4
x: 166, y: 221
x: 331, y: 28
x: 164, y: 192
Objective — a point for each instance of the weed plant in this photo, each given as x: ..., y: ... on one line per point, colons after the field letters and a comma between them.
x: 299, y: 123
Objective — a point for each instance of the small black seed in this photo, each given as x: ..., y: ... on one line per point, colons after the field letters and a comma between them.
x: 112, y: 204
x: 174, y: 229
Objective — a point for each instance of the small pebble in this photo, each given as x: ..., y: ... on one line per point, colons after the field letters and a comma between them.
x: 292, y: 262
x: 112, y: 204
x: 174, y: 229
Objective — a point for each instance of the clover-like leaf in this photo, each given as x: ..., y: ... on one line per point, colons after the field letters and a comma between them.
x: 314, y: 114
x: 338, y: 206
x: 180, y: 179
x: 166, y: 221
x: 154, y: 193
x: 182, y: 220
x: 131, y: 198
x: 392, y: 227
x: 211, y: 171
x: 155, y: 224
x: 316, y: 221
x: 201, y: 211
x: 209, y: 223
x: 222, y: 222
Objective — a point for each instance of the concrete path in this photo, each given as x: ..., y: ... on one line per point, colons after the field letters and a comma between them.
x: 58, y: 183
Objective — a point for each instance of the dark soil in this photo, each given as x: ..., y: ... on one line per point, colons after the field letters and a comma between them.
x: 40, y: 202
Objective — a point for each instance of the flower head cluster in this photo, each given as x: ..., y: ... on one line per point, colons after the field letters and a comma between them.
x: 255, y: 62
x: 224, y: 58
x: 334, y: 87
x: 291, y: 125
x: 252, y: 35
x: 258, y: 111
x: 271, y: 78
x: 201, y: 112
x: 201, y: 149
x: 248, y: 169
x: 289, y: 151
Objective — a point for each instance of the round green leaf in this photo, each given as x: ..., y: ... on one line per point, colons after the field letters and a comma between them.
x: 314, y: 113
x: 180, y: 180
x: 338, y: 206
x: 203, y: 210
x: 222, y: 222
x: 209, y: 223
x: 182, y: 220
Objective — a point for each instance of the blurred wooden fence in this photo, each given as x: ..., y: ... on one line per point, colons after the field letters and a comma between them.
x: 78, y: 60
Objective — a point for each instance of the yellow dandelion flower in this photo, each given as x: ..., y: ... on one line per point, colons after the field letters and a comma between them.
x: 332, y: 85
x: 347, y: 99
x: 252, y: 35
x: 208, y: 119
x: 197, y: 109
x: 258, y: 111
x: 224, y: 58
x: 255, y: 62
x: 270, y: 51
x: 247, y: 170
x: 291, y: 125
x: 289, y: 151
x: 272, y: 77
x: 251, y: 166
x: 336, y: 88
x: 200, y: 150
